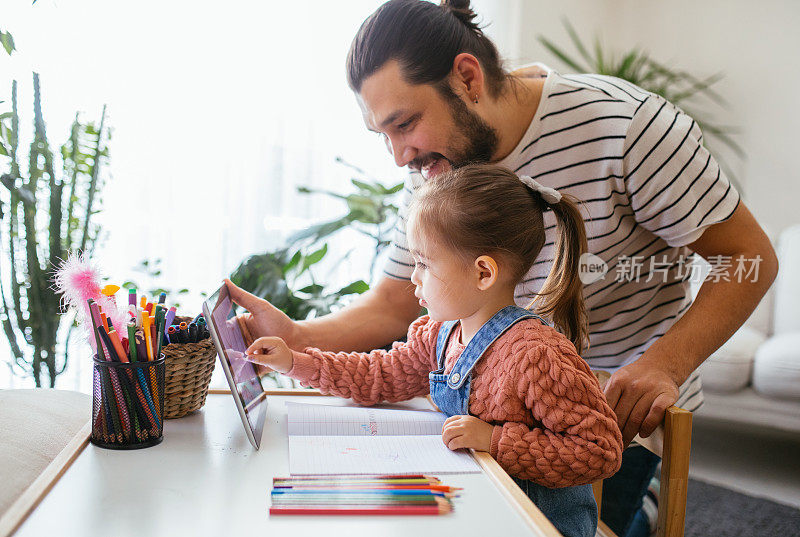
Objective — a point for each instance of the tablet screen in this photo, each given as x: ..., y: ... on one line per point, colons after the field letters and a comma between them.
x: 231, y: 348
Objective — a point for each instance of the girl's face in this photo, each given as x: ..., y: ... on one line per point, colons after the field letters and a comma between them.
x: 445, y: 285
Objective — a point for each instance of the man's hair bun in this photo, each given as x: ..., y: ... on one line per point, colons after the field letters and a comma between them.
x: 461, y: 10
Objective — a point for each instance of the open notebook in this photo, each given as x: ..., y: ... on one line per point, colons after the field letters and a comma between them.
x: 360, y: 440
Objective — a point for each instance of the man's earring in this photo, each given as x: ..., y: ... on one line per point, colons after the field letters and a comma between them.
x: 475, y: 100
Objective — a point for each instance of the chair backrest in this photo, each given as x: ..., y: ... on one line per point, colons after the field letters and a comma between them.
x: 671, y: 441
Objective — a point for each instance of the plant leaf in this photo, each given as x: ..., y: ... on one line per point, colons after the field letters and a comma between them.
x: 314, y: 257
x: 313, y: 289
x: 560, y: 54
x: 627, y: 61
x: 600, y: 64
x: 7, y: 40
x: 577, y: 42
x: 356, y: 287
x: 292, y: 262
x: 373, y: 189
x: 395, y: 189
x: 319, y: 231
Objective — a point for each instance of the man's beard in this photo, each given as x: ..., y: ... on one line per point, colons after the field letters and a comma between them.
x: 480, y: 137
x: 477, y: 138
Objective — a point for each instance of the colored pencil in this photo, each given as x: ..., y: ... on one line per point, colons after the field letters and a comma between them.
x: 379, y: 495
x: 132, y: 341
x: 119, y: 413
x: 399, y: 510
x: 147, y: 339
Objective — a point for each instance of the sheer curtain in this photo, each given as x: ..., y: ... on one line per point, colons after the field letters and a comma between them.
x: 219, y: 111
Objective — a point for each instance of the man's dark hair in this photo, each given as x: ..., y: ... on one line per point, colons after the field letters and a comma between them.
x: 424, y: 38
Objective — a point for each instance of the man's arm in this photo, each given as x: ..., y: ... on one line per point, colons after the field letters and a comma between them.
x: 378, y: 317
x: 641, y: 392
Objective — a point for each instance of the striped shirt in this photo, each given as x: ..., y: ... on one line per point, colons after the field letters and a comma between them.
x: 648, y: 188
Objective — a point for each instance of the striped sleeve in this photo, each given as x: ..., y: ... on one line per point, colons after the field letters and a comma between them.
x: 676, y: 188
x: 399, y: 263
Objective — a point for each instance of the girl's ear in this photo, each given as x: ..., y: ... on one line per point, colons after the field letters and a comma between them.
x: 487, y: 271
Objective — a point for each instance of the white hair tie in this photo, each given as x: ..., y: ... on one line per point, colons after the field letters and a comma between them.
x: 550, y: 195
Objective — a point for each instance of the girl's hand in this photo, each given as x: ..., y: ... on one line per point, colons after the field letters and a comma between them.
x: 263, y: 319
x: 467, y: 432
x: 272, y: 352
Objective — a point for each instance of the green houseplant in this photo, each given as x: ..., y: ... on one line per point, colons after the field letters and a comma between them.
x: 46, y: 211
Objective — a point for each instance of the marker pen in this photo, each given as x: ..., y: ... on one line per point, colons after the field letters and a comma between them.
x: 184, y: 333
x: 192, y: 333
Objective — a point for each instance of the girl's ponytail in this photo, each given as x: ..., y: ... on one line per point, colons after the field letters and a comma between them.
x: 561, y: 296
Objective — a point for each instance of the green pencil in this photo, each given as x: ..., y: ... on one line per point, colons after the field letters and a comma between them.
x: 132, y: 341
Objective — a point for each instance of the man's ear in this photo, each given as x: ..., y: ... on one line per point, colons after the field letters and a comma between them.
x: 487, y: 271
x: 466, y: 77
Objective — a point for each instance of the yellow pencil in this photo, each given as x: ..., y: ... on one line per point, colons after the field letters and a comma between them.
x: 146, y: 320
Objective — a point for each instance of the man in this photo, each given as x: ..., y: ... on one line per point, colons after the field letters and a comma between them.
x: 431, y: 84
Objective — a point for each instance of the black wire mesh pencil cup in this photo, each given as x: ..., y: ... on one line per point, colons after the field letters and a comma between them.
x: 128, y: 404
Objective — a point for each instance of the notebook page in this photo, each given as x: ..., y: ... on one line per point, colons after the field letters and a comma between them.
x: 326, y: 420
x: 340, y: 455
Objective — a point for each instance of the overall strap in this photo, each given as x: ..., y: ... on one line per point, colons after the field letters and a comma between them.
x: 441, y: 341
x: 488, y: 333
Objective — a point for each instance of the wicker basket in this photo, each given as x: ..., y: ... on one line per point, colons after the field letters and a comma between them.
x: 188, y: 373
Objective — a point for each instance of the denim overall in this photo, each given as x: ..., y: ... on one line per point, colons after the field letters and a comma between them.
x: 572, y: 510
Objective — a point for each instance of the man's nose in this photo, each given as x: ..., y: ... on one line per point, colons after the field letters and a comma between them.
x: 402, y: 153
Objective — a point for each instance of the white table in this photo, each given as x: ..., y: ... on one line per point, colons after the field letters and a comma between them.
x: 206, y: 479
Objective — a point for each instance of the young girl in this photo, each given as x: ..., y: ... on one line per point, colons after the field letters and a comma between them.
x: 510, y: 384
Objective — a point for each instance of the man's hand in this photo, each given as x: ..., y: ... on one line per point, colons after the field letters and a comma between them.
x: 467, y: 432
x: 263, y: 319
x: 640, y: 394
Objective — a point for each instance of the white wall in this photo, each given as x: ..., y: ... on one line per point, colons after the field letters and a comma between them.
x: 756, y: 45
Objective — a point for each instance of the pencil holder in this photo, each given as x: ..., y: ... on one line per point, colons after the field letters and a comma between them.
x: 128, y: 404
x: 188, y: 373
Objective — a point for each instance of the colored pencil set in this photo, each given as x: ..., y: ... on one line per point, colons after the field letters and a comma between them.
x: 131, y: 385
x: 367, y: 495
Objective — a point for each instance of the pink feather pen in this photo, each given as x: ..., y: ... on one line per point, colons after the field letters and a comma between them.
x: 77, y: 279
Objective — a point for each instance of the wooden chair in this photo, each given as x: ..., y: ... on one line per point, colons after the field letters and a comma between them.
x: 672, y: 442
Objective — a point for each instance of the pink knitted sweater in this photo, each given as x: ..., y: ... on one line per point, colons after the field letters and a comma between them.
x: 552, y: 423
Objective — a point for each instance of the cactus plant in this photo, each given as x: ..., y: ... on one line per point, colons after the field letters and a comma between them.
x: 43, y: 216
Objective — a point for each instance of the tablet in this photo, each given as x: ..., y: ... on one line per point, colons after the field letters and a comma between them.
x: 248, y: 394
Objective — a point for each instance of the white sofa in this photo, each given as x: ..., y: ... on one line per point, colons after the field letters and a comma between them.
x: 754, y: 378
